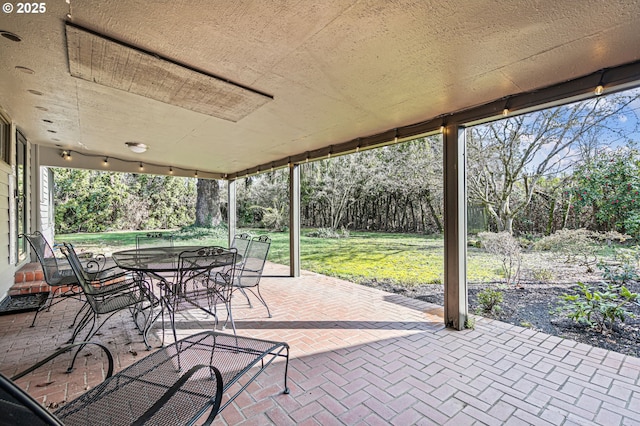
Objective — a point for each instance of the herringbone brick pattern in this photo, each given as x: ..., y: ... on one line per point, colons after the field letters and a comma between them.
x: 365, y: 357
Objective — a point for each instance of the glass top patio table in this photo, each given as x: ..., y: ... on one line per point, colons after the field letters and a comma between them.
x: 155, y: 259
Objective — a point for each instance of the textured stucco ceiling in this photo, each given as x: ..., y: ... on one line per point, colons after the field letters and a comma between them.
x: 337, y: 69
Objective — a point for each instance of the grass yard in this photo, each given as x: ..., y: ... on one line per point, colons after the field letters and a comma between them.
x: 363, y: 257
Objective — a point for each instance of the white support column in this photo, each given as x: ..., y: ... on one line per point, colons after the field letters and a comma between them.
x: 294, y: 220
x: 455, y: 228
x: 231, y: 209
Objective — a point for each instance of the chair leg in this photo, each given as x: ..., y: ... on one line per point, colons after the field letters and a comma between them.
x: 78, y: 315
x: 92, y: 332
x: 81, y: 325
x: 47, y: 305
x: 264, y: 302
x: 246, y: 296
x: 259, y: 296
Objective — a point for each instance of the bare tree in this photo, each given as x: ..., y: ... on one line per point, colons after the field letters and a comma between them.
x: 508, y: 158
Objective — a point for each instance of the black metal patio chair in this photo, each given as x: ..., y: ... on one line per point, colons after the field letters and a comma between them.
x: 57, y: 273
x: 249, y: 273
x: 196, y: 284
x: 129, y: 292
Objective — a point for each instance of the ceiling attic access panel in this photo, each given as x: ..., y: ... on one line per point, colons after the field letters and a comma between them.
x: 110, y: 63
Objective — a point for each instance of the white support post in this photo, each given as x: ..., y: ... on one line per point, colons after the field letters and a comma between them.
x: 231, y: 209
x: 294, y: 220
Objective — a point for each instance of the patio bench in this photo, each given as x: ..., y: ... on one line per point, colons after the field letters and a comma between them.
x: 177, y: 384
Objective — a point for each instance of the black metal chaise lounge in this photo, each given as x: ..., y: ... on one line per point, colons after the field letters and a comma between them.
x: 177, y: 384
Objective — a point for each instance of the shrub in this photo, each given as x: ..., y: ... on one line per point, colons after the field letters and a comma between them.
x: 576, y: 245
x: 505, y: 246
x: 329, y: 233
x: 489, y: 301
x: 599, y: 308
x: 543, y: 274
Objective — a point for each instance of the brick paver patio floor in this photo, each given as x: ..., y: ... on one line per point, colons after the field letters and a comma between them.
x: 361, y: 356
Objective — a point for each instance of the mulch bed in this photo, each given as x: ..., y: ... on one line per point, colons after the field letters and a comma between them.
x: 533, y: 305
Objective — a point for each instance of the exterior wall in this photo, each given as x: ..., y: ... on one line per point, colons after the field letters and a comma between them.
x: 7, y: 223
x: 46, y: 216
x: 9, y: 262
x: 41, y: 216
x: 7, y: 270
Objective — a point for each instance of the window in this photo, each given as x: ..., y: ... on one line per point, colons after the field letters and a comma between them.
x: 21, y: 194
x: 5, y: 137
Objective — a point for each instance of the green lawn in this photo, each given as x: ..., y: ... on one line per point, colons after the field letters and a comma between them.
x: 364, y: 256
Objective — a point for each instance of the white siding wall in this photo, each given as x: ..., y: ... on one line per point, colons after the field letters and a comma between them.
x: 7, y: 255
x: 46, y: 215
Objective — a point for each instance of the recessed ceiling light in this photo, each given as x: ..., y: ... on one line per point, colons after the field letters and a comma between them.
x: 35, y: 92
x: 51, y: 131
x: 47, y: 121
x: 41, y: 108
x: 137, y: 147
x: 9, y: 35
x: 25, y: 69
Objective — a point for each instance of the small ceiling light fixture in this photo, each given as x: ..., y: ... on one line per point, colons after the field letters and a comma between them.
x: 10, y: 36
x: 66, y: 155
x: 25, y: 69
x: 137, y: 147
x: 41, y: 108
x: 195, y: 174
x: 34, y: 92
x: 51, y: 131
x: 599, y: 90
x: 170, y: 170
x: 106, y: 161
x: 47, y: 121
x: 506, y: 110
x: 141, y: 167
x: 443, y: 126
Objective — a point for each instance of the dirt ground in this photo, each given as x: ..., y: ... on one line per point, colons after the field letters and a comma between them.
x: 533, y: 304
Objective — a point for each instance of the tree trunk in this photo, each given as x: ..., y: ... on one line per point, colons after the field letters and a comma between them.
x: 208, y: 203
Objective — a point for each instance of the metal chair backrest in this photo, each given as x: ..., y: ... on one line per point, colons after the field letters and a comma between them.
x: 151, y: 239
x: 50, y: 266
x: 254, y: 261
x: 200, y: 264
x: 73, y: 259
x: 241, y: 243
x: 83, y: 279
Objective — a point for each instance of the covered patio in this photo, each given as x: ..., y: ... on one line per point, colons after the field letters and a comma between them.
x: 228, y: 90
x: 364, y: 356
